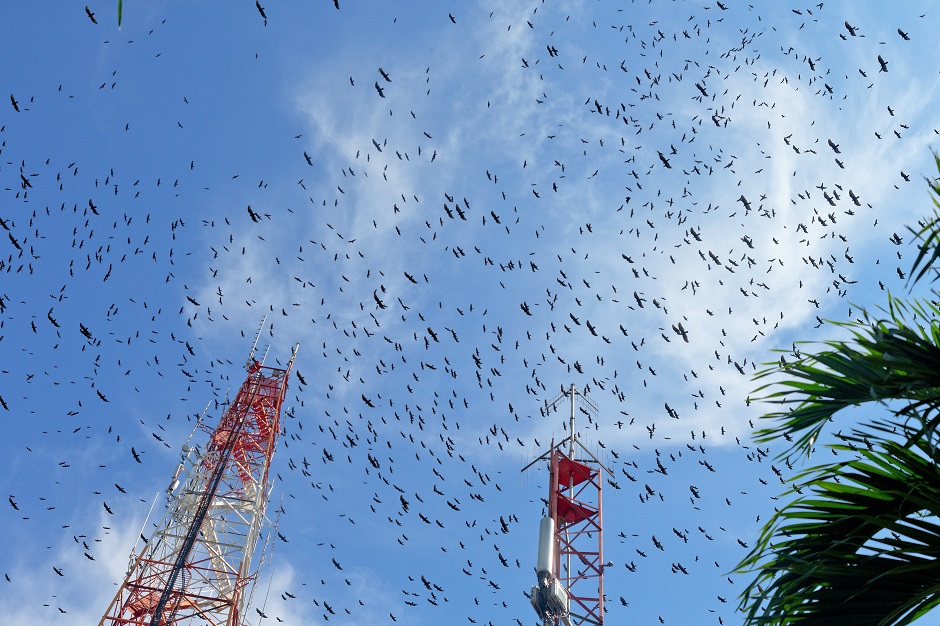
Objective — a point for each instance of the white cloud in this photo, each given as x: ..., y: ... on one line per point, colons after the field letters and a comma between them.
x: 86, y: 587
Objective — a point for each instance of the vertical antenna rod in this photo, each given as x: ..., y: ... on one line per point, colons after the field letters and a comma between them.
x: 571, y: 430
x: 251, y: 355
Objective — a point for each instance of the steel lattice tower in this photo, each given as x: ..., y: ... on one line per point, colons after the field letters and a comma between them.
x: 571, y: 538
x: 196, y: 567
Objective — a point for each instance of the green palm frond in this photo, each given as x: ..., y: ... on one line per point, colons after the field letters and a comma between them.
x: 860, y: 545
x: 893, y: 360
x: 929, y: 235
x: 860, y: 542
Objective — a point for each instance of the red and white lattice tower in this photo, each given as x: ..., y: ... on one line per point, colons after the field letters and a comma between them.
x: 196, y: 566
x: 570, y: 564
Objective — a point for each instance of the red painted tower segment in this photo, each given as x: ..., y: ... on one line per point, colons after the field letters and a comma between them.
x: 196, y: 566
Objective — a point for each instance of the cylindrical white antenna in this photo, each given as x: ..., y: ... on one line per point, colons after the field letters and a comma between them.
x: 546, y: 556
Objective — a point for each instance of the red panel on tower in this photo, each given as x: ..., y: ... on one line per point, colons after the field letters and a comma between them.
x: 572, y: 512
x: 571, y: 472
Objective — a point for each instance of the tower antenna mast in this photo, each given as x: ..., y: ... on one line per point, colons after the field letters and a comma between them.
x: 572, y: 595
x: 196, y: 567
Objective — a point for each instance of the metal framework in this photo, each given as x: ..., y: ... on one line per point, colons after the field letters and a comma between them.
x: 195, y: 568
x: 574, y: 503
x: 575, y: 506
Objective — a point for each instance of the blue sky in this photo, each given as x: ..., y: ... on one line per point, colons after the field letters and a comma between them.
x: 550, y: 127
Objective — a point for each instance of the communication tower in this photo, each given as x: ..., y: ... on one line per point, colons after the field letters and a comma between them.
x: 570, y: 565
x: 196, y: 567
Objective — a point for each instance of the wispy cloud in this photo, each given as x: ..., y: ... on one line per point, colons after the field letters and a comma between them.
x: 82, y: 593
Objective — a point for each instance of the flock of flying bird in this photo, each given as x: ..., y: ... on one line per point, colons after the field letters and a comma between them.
x: 628, y: 201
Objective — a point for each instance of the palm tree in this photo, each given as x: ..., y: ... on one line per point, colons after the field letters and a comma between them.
x: 860, y: 541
